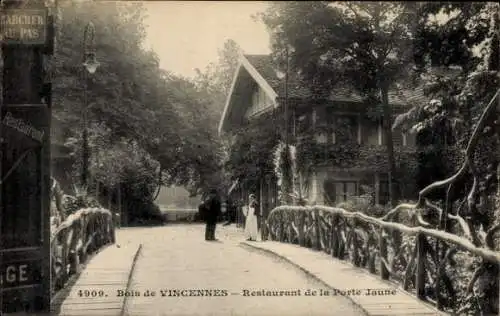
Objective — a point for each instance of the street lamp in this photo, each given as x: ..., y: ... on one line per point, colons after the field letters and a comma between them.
x: 90, y: 64
x: 286, y: 173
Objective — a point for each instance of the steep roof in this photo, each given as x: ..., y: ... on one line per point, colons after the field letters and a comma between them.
x: 262, y: 69
x: 265, y: 66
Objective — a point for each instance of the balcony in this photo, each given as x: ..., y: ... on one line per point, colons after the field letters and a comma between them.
x: 319, y: 150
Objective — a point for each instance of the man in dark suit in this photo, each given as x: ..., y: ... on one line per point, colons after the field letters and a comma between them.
x: 211, y: 210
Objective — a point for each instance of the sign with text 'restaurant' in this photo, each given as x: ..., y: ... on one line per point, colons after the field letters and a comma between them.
x: 24, y: 26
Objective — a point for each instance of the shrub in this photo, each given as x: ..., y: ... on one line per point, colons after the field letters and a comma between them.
x: 82, y: 199
x: 145, y: 213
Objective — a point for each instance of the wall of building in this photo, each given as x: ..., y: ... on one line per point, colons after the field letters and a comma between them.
x: 259, y: 101
x: 322, y: 184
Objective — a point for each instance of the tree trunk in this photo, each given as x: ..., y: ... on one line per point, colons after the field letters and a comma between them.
x: 387, y: 126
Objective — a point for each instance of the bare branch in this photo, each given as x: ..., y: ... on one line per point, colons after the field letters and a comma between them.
x: 350, y: 7
x: 434, y: 207
x: 420, y: 219
x: 295, y: 228
x: 474, y: 278
x: 471, y: 197
x: 463, y: 224
x: 397, y: 209
x: 489, y: 236
x: 468, y: 153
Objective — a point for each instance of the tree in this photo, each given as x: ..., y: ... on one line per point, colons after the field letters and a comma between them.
x: 459, y: 95
x: 364, y: 45
x: 214, y: 83
x: 468, y: 199
x: 132, y: 102
x: 217, y: 77
x: 252, y: 152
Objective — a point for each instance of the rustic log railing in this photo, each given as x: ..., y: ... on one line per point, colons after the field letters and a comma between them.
x: 451, y: 258
x: 78, y: 236
x: 412, y: 262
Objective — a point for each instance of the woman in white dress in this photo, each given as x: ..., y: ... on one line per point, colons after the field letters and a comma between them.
x: 252, y: 213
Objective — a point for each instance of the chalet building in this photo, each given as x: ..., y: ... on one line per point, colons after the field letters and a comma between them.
x: 341, y: 134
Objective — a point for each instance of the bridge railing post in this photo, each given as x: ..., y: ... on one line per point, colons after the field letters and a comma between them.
x: 301, y: 222
x: 335, y: 236
x: 73, y: 251
x: 281, y: 224
x: 64, y: 255
x: 317, y: 227
x: 355, y: 245
x: 420, y: 270
x: 384, y: 273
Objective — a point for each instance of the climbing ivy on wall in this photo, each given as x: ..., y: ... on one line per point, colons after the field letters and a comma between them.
x: 251, y: 155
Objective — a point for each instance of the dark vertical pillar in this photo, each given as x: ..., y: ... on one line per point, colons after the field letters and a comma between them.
x: 25, y: 164
x: 1, y: 167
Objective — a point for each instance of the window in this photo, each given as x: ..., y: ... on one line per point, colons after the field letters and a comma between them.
x: 370, y: 132
x: 408, y: 139
x: 259, y: 100
x: 345, y: 129
x: 302, y: 123
x: 321, y: 138
x: 381, y: 133
x: 339, y: 191
x: 256, y: 99
x: 383, y: 195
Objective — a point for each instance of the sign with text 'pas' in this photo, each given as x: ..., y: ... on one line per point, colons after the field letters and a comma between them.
x: 24, y: 26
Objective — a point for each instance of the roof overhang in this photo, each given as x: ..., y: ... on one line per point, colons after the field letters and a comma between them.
x: 263, y: 84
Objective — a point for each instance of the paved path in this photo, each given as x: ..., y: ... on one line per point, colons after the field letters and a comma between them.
x: 177, y: 258
x: 92, y: 292
x: 190, y: 276
x: 345, y: 278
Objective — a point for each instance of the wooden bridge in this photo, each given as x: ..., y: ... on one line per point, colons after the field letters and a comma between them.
x: 353, y: 263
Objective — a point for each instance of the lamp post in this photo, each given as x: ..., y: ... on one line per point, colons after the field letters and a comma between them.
x: 284, y: 75
x: 90, y: 64
x: 285, y: 185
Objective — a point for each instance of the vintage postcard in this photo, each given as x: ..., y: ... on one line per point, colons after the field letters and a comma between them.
x: 253, y: 158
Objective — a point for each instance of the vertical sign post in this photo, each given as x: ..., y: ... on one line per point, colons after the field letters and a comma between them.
x: 25, y: 160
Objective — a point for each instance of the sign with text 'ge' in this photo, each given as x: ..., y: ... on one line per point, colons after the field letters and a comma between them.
x: 21, y: 278
x: 20, y: 273
x: 24, y: 26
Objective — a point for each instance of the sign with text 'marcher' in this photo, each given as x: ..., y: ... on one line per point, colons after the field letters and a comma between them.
x: 24, y: 26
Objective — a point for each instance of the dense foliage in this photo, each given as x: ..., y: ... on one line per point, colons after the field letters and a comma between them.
x: 251, y: 153
x: 147, y: 127
x: 451, y: 49
x: 460, y: 74
x: 359, y: 45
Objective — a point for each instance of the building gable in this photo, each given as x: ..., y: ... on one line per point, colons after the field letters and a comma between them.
x: 245, y: 101
x: 249, y: 96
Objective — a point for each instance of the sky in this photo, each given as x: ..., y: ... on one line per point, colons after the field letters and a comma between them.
x: 187, y: 35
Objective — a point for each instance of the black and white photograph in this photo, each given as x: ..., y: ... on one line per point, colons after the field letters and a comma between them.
x: 249, y: 158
